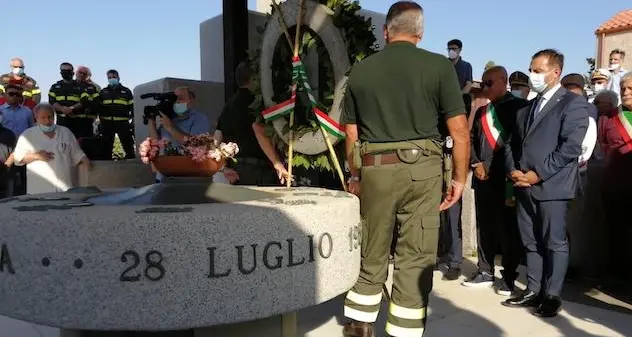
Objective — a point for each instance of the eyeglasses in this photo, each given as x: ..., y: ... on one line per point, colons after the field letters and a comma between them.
x: 19, y: 67
x: 14, y: 94
x: 82, y: 73
x: 487, y: 83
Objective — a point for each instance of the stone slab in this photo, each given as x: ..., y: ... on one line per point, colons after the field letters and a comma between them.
x: 95, y: 267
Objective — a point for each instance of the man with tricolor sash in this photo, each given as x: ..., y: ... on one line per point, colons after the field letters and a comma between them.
x: 393, y: 105
x: 497, y: 227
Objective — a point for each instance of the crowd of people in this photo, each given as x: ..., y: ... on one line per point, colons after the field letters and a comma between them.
x: 78, y: 123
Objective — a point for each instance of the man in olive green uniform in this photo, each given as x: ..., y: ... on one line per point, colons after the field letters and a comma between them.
x: 392, y: 108
x: 235, y: 125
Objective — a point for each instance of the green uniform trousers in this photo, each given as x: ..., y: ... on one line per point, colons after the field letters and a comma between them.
x: 402, y: 199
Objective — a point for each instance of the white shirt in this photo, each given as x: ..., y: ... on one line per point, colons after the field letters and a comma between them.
x: 546, y: 97
x: 590, y: 139
x: 54, y: 175
x: 615, y: 82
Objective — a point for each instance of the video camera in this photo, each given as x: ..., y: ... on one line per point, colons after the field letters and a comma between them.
x: 164, y: 105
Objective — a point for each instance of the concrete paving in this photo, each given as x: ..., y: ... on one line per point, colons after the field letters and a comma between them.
x: 454, y: 311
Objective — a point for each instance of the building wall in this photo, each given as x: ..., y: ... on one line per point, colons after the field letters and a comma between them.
x: 621, y: 40
x: 212, y: 41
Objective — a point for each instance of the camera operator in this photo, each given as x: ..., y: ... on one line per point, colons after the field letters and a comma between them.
x: 186, y: 122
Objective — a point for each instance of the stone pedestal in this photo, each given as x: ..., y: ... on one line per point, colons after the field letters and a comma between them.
x: 180, y: 255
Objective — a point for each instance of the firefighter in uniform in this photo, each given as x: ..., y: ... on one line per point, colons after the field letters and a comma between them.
x: 116, y: 105
x: 31, y: 91
x: 65, y: 96
x: 89, y: 100
x: 393, y: 105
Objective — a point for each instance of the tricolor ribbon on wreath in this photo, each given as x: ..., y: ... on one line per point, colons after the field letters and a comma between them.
x: 300, y: 81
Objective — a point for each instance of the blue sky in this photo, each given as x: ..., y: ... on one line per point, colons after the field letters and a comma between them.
x: 147, y: 40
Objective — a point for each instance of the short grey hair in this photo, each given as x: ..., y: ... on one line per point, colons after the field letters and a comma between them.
x: 16, y: 59
x: 187, y: 89
x: 43, y: 106
x: 405, y: 18
x: 610, y: 95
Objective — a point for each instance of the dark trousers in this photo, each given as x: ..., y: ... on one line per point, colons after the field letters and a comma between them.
x: 617, y: 225
x: 124, y: 131
x: 255, y: 172
x: 497, y: 229
x: 451, y: 235
x: 542, y: 227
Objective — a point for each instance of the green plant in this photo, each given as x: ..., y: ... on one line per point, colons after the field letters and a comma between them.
x: 360, y: 42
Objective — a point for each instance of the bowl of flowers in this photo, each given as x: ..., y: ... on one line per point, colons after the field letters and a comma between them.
x: 199, y: 156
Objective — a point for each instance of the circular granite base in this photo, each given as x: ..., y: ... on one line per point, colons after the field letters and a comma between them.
x: 151, y: 259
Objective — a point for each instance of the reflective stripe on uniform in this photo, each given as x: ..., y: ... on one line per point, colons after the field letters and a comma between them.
x: 361, y: 316
x: 89, y: 96
x: 66, y: 98
x: 398, y: 331
x: 36, y: 91
x: 27, y: 94
x: 84, y: 116
x: 117, y: 101
x: 406, y: 313
x: 106, y: 118
x: 364, y: 299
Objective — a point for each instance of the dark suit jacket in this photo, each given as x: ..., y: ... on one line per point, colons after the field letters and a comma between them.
x: 551, y: 145
x: 493, y: 159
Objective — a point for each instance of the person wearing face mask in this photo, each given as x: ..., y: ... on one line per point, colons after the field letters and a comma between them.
x: 599, y: 80
x: 89, y: 100
x: 497, y: 228
x: 541, y: 160
x: 116, y: 107
x: 187, y: 121
x: 50, y: 153
x: 617, y: 56
x: 463, y: 68
x: 519, y: 83
x: 31, y: 91
x: 65, y: 96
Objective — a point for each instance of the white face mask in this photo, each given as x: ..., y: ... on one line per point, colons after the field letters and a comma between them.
x: 537, y: 82
x: 599, y: 87
x: 453, y: 54
x: 615, y: 66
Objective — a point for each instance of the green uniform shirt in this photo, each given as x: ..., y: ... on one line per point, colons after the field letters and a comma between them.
x: 399, y: 93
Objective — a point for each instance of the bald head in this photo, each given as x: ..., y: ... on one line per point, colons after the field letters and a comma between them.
x: 495, y: 83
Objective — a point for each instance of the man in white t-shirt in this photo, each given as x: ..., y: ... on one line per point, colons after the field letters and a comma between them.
x: 50, y: 152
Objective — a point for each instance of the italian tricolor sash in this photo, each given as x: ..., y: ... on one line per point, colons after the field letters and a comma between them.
x: 299, y: 81
x: 624, y: 126
x: 491, y: 126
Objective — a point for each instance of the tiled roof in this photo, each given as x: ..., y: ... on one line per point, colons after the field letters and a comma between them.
x: 620, y: 22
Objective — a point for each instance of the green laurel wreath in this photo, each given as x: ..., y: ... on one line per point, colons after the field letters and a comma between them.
x: 360, y: 42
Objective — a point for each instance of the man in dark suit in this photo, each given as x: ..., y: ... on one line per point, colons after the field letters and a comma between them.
x: 497, y: 231
x: 542, y: 162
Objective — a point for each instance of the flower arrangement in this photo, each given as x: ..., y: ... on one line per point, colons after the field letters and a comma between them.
x: 200, y: 148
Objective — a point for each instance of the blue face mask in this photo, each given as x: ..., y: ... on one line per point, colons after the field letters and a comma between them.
x: 113, y: 81
x: 47, y: 128
x: 18, y: 71
x: 180, y: 108
x: 517, y: 93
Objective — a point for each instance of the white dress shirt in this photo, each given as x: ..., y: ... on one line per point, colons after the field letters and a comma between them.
x: 546, y: 98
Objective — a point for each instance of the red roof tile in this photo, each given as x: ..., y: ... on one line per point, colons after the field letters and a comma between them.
x: 620, y: 22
